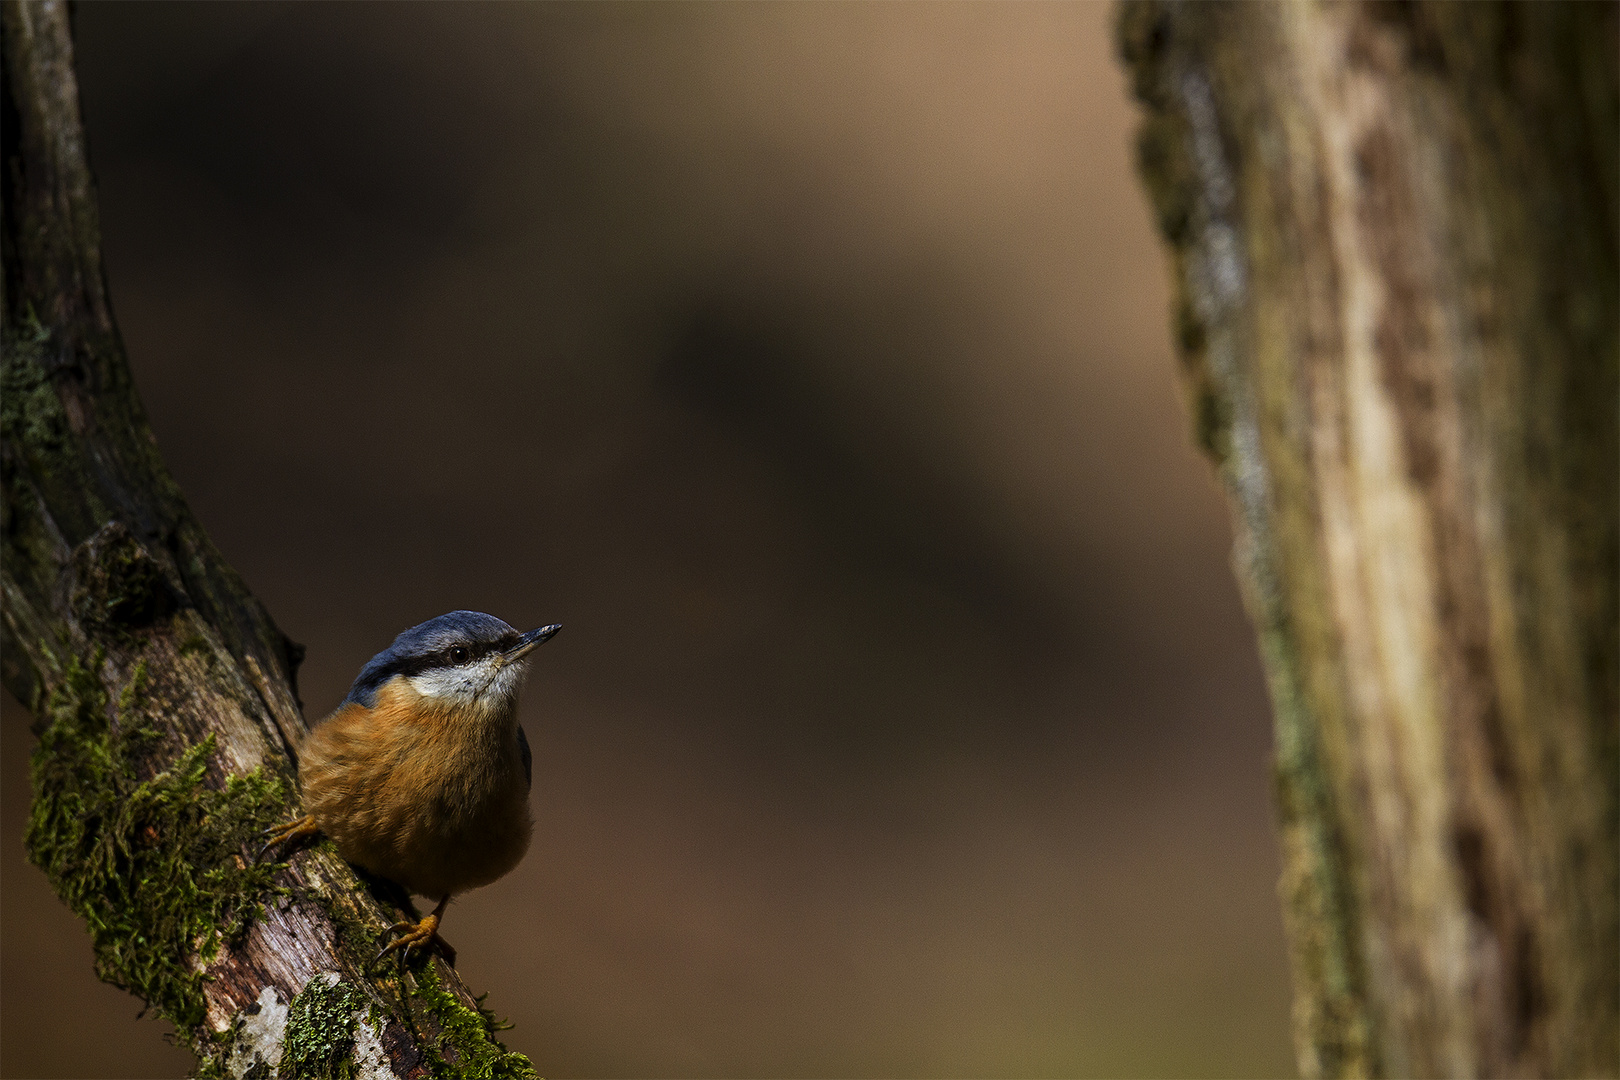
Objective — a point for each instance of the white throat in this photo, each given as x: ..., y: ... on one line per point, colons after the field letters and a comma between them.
x: 487, y: 686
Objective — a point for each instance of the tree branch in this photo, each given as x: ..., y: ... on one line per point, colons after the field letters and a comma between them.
x: 162, y: 692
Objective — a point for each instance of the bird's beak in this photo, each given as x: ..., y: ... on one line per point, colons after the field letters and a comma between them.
x: 531, y: 641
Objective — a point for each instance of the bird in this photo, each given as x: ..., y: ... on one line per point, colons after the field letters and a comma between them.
x: 421, y: 775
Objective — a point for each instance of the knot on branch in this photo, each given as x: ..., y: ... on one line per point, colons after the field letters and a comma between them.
x: 117, y: 584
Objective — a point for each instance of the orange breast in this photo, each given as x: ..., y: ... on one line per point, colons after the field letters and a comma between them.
x: 433, y: 799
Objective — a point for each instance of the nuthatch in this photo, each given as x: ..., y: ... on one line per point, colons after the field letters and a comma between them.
x: 421, y: 775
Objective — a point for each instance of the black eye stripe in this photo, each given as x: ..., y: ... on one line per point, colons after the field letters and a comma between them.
x: 442, y: 658
x: 474, y: 650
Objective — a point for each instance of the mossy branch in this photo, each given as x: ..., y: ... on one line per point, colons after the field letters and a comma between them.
x: 162, y: 692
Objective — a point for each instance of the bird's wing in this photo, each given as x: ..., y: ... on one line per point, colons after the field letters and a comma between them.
x: 528, y: 757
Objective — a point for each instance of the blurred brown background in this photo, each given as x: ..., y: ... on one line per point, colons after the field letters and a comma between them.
x: 810, y: 364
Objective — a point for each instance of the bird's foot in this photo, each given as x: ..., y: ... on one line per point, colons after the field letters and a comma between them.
x: 298, y: 831
x: 419, y: 935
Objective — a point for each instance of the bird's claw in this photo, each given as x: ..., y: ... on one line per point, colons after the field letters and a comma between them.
x: 299, y: 829
x: 417, y: 935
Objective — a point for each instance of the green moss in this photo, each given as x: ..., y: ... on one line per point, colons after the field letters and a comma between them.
x: 154, y: 866
x: 44, y: 475
x: 321, y: 1023
x: 466, y: 1048
x: 30, y: 412
x: 31, y: 423
x: 1332, y: 1029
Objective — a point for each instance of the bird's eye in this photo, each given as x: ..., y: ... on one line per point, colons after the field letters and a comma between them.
x: 459, y: 654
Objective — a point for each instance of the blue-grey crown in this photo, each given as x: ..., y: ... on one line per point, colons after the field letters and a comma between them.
x: 427, y: 645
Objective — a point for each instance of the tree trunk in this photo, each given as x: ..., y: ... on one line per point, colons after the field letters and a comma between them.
x: 163, y: 694
x: 1394, y: 237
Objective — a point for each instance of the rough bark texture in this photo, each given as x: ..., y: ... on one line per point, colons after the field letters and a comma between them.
x: 163, y: 694
x: 1394, y: 234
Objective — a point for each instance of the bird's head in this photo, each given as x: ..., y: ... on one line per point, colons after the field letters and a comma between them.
x: 463, y: 660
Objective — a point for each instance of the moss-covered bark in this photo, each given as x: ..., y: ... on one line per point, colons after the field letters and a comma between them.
x: 148, y: 864
x: 162, y: 692
x: 1394, y: 234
